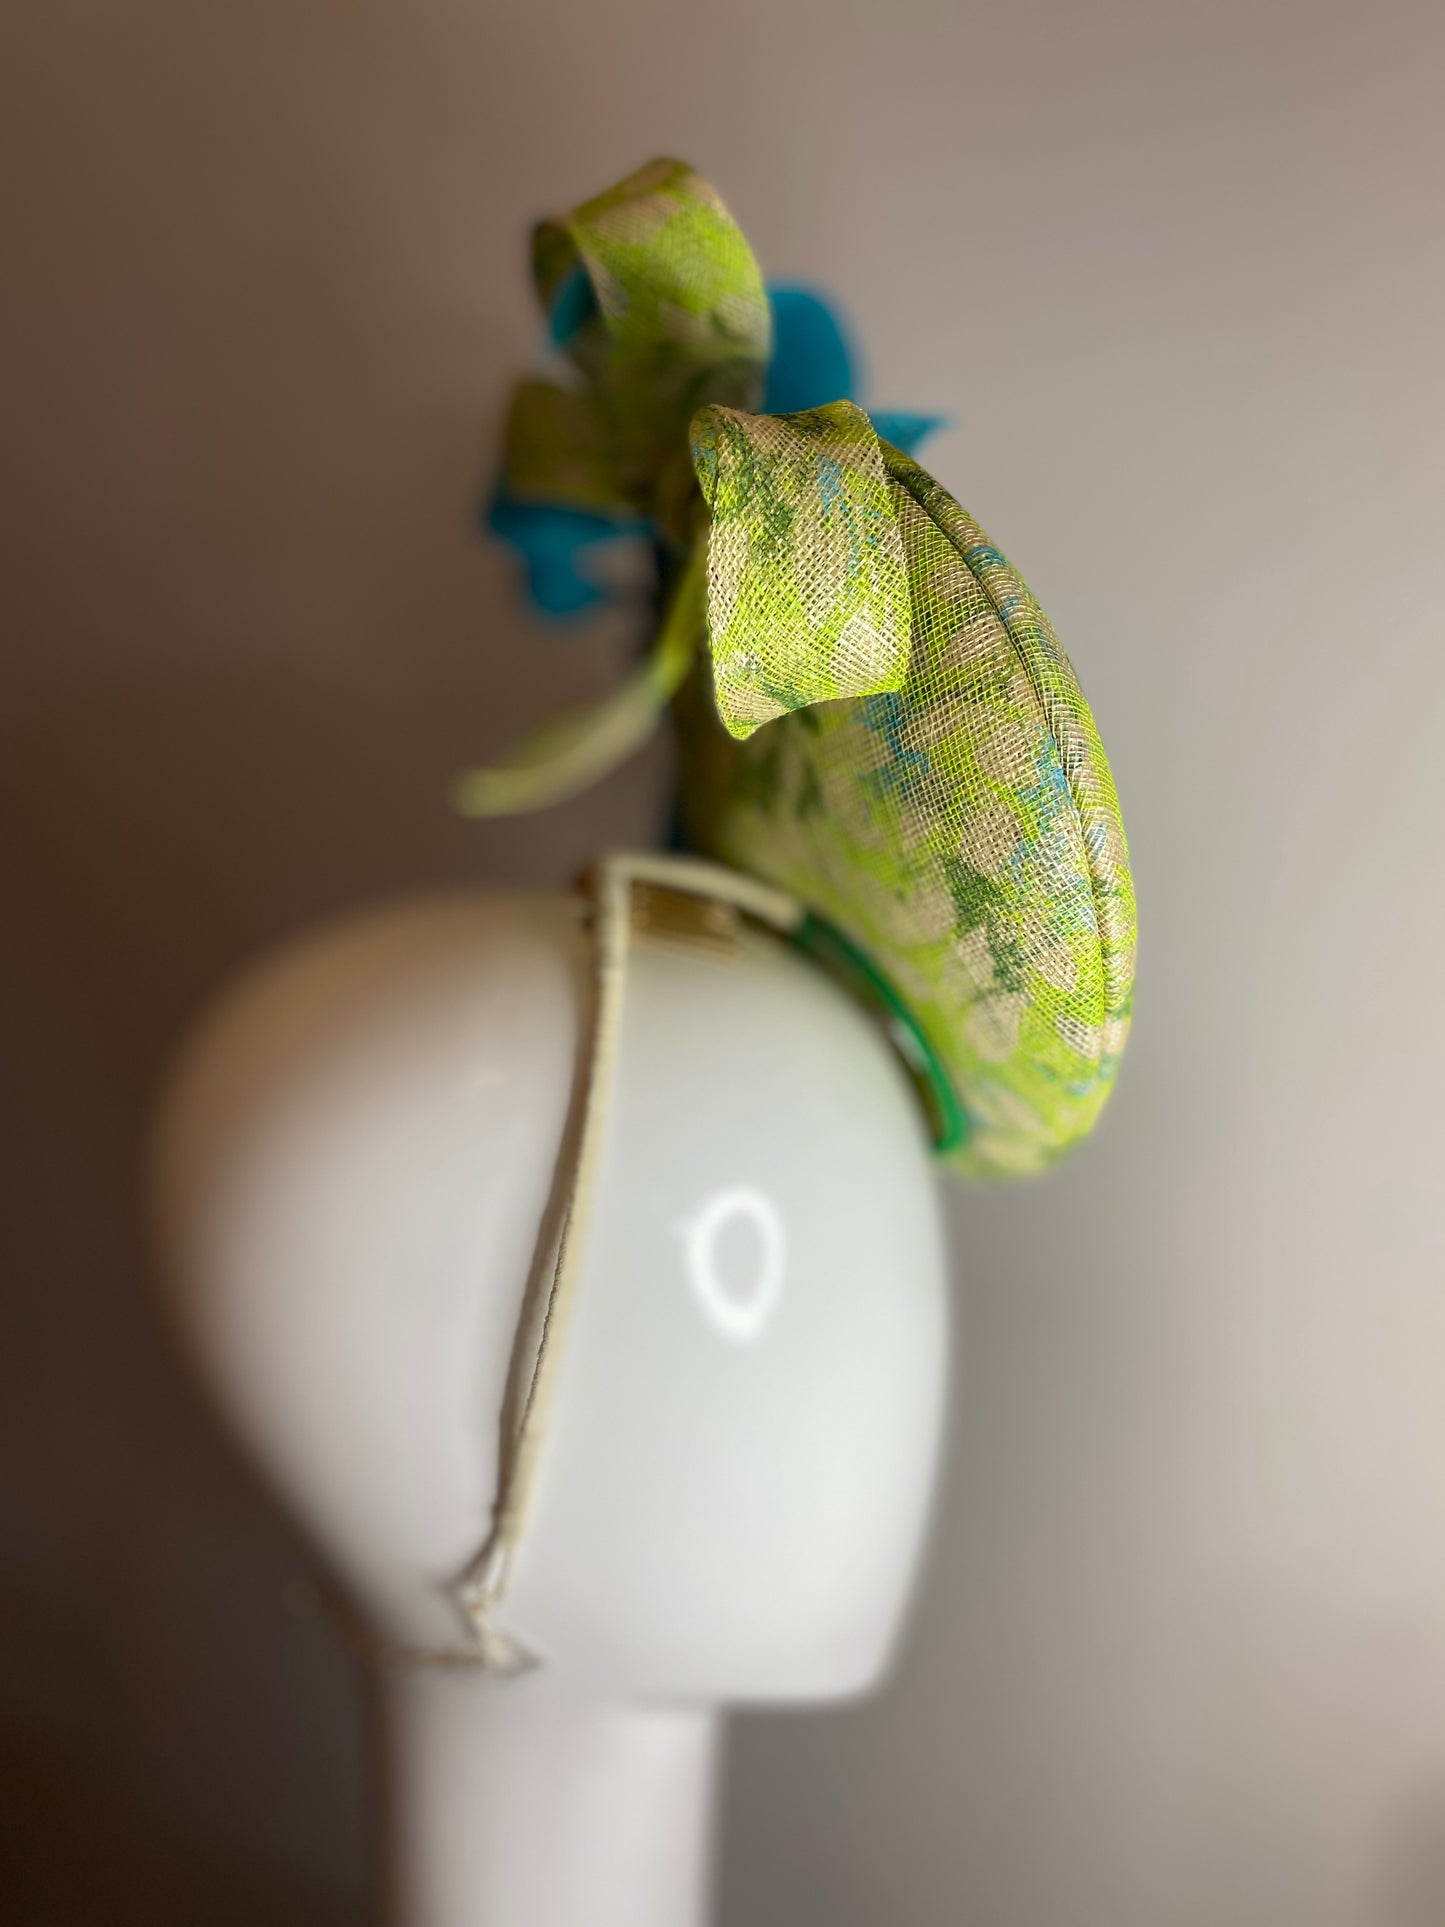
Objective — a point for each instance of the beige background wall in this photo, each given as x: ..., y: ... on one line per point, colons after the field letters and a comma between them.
x: 1176, y: 274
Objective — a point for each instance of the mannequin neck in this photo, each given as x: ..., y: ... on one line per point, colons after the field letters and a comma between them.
x: 518, y: 1803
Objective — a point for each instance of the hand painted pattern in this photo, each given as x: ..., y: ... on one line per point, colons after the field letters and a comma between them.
x: 890, y: 730
x: 655, y: 298
x: 807, y: 588
x: 963, y: 831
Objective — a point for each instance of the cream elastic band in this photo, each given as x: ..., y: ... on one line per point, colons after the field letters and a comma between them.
x: 681, y: 897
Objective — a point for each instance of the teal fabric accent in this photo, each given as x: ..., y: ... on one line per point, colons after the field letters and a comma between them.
x: 813, y: 361
x: 907, y: 432
x: 553, y: 543
x: 573, y: 307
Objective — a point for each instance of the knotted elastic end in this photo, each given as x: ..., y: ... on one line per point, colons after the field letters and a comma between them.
x: 807, y: 586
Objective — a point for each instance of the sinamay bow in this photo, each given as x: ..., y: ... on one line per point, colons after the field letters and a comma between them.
x: 891, y: 733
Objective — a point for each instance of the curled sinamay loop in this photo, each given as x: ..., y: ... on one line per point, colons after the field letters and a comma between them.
x: 807, y: 585
x: 655, y: 301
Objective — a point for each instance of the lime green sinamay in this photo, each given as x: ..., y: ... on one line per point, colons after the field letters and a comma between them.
x: 887, y: 726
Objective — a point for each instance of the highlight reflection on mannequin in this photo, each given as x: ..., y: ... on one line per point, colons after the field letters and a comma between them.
x: 736, y: 1254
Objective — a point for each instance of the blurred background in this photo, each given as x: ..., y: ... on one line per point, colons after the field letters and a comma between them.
x: 1175, y: 274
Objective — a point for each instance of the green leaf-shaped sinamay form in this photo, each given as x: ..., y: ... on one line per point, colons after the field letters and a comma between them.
x: 902, y: 745
x: 807, y: 587
x: 657, y: 301
x: 962, y: 831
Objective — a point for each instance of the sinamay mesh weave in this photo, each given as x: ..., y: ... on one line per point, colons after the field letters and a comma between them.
x: 884, y: 724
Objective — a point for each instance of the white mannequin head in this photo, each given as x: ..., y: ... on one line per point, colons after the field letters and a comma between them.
x: 354, y: 1161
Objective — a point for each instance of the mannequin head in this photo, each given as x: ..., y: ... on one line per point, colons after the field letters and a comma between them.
x: 354, y: 1160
